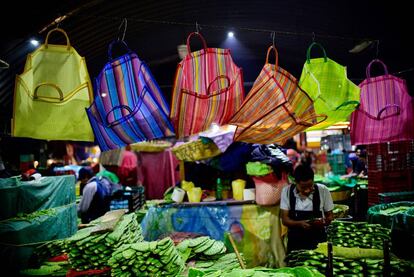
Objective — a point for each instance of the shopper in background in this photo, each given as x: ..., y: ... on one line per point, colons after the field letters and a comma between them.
x: 306, y: 208
x: 293, y: 156
x: 96, y: 195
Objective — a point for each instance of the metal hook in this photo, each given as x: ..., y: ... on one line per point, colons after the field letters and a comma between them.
x: 125, y: 24
x: 273, y: 35
x: 377, y: 52
x: 197, y: 28
x: 313, y: 36
x: 4, y: 64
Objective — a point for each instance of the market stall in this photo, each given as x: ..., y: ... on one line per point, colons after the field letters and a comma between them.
x: 256, y: 229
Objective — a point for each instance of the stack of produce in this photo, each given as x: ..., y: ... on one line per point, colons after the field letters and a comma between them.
x: 300, y: 271
x: 348, y: 267
x: 202, y: 248
x: 50, y: 249
x: 155, y: 258
x: 358, y: 234
x: 225, y: 263
x: 91, y: 248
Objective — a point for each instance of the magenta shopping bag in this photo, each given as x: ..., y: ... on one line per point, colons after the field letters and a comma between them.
x: 385, y: 112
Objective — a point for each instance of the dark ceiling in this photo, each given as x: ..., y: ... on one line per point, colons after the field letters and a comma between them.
x: 155, y: 28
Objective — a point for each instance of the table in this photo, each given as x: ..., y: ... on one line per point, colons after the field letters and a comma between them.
x: 255, y: 229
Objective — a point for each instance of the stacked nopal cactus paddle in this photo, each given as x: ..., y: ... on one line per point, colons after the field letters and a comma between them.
x: 358, y: 234
x: 155, y: 258
x: 90, y: 249
x: 225, y: 263
x: 50, y: 250
x: 202, y: 248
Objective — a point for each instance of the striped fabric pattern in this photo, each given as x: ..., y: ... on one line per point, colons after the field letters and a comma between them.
x: 129, y: 106
x: 275, y: 109
x: 208, y: 89
x: 333, y: 93
x: 386, y: 110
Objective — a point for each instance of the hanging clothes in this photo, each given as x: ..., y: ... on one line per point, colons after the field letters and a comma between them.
x: 129, y: 106
x: 208, y: 89
x: 386, y: 110
x: 275, y: 109
x: 52, y: 93
x: 327, y: 84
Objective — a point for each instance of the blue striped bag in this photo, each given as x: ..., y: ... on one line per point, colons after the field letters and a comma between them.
x: 129, y: 106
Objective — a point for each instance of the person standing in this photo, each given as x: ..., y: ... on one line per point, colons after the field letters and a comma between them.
x: 306, y: 208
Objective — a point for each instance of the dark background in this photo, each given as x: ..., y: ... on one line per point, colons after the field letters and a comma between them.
x: 155, y: 28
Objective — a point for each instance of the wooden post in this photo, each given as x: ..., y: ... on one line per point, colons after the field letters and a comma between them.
x: 387, y: 268
x: 329, y: 266
x: 243, y: 266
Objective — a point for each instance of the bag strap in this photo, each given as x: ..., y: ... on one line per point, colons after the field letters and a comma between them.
x: 389, y: 106
x: 368, y: 70
x: 308, y: 52
x: 111, y: 45
x: 217, y: 79
x: 35, y: 93
x: 200, y: 36
x: 61, y: 31
x: 308, y: 121
x: 347, y: 103
x: 117, y: 121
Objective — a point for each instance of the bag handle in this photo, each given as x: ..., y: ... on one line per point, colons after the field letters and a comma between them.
x: 272, y: 47
x: 61, y: 31
x: 216, y: 79
x: 347, y: 103
x: 304, y: 122
x: 36, y: 97
x: 308, y: 52
x: 117, y: 121
x: 368, y: 70
x: 200, y: 36
x: 111, y: 45
x: 388, y: 107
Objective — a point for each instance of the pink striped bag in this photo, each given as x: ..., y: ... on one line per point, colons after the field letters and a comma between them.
x: 386, y: 110
x: 208, y: 89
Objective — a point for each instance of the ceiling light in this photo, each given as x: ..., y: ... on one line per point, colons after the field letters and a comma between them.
x: 34, y: 42
x: 230, y: 34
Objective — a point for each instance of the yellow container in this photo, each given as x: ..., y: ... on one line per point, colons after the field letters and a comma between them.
x: 238, y: 188
x: 194, y: 194
x: 187, y: 185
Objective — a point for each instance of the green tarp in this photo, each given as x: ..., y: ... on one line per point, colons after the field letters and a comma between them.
x: 18, y: 238
x: 26, y: 197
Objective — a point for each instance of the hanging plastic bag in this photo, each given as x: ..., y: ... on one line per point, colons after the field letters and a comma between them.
x: 327, y: 84
x: 275, y: 109
x: 129, y: 106
x: 52, y: 93
x: 208, y: 89
x: 386, y: 110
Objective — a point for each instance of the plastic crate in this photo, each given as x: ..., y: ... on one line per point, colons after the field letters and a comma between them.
x: 391, y: 156
x: 388, y: 181
x: 337, y: 163
x: 128, y: 199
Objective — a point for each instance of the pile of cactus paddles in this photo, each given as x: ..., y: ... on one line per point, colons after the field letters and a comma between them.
x: 91, y: 248
x: 348, y: 267
x: 357, y: 234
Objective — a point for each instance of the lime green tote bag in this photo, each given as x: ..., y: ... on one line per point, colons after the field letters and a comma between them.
x: 327, y: 84
x: 51, y: 95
